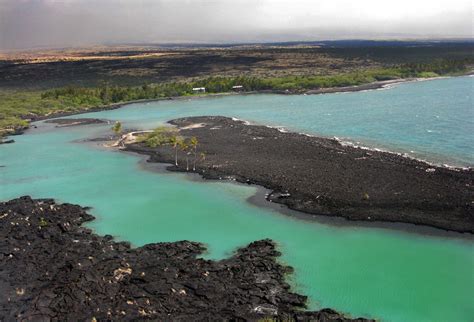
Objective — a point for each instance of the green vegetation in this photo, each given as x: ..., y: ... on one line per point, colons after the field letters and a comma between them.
x: 43, y: 222
x: 16, y: 107
x: 163, y: 136
x: 10, y: 124
x: 273, y: 319
x: 115, y: 94
x: 421, y: 70
x: 185, y: 146
x: 117, y: 128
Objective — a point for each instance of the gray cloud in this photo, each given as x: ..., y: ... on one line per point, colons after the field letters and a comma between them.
x: 55, y: 23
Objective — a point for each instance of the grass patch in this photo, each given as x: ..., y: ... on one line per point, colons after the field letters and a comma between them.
x: 16, y: 107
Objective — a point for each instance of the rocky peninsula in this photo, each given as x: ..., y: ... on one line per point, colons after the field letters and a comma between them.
x: 52, y: 268
x: 75, y: 122
x: 323, y: 177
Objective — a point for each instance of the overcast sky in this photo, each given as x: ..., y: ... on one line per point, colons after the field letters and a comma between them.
x: 60, y: 23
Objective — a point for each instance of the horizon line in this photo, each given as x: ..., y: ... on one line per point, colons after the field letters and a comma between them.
x: 244, y: 43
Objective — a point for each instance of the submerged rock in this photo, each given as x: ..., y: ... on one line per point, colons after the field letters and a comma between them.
x: 54, y: 269
x: 75, y: 122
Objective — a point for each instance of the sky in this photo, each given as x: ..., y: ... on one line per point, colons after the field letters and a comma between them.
x: 64, y: 23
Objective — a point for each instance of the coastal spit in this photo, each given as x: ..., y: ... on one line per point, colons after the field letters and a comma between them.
x: 323, y: 177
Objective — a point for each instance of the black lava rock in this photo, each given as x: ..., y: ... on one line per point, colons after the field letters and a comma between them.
x: 51, y: 268
x: 323, y: 177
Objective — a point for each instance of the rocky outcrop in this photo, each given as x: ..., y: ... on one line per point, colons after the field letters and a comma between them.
x: 51, y: 268
x: 75, y: 122
x: 320, y: 176
x: 6, y: 141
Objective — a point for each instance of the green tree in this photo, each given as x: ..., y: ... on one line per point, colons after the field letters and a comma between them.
x: 184, y: 146
x: 105, y: 95
x: 153, y: 141
x: 117, y: 128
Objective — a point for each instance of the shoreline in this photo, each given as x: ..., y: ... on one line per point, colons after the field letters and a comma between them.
x: 409, y: 198
x: 259, y: 199
x: 359, y: 88
x: 74, y: 274
x: 331, y: 90
x: 357, y: 145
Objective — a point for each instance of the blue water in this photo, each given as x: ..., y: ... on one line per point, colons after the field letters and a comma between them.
x: 432, y: 120
x: 373, y: 272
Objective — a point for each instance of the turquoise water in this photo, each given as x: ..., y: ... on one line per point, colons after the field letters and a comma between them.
x: 432, y: 120
x: 373, y: 272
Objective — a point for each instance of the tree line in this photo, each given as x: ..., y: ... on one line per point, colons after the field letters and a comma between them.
x: 107, y: 94
x: 17, y: 108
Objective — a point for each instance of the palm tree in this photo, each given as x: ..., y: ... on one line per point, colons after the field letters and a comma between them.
x: 175, y: 141
x: 194, y: 142
x: 202, y: 156
x: 185, y: 148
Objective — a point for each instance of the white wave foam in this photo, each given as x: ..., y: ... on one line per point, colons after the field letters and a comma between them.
x: 359, y: 146
x: 279, y: 128
x: 404, y: 155
x: 240, y: 120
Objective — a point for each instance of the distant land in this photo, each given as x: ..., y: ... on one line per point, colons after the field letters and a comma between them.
x: 47, y: 82
x: 321, y: 43
x: 313, y: 43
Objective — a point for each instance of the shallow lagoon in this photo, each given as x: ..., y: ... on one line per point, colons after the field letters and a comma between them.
x: 383, y: 273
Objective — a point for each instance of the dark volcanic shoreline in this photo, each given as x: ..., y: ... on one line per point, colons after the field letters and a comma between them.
x: 54, y: 269
x: 320, y: 176
x: 75, y: 122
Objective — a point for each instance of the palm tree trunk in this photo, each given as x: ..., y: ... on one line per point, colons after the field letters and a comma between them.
x: 194, y: 163
x: 176, y: 155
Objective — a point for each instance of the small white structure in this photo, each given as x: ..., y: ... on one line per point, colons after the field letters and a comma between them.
x: 237, y: 87
x: 199, y: 89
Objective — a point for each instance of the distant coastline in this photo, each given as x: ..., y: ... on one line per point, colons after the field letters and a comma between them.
x: 330, y: 90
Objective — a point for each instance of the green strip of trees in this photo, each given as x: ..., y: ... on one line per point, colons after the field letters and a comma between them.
x: 106, y: 94
x: 16, y: 108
